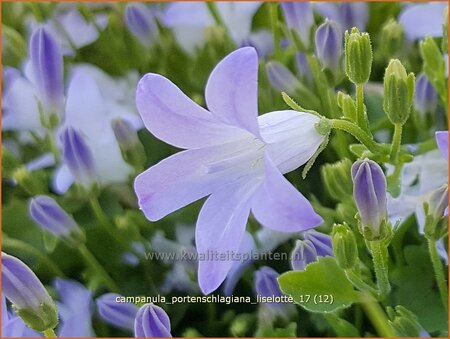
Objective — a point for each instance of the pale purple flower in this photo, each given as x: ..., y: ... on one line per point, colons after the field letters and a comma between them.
x: 425, y: 96
x: 302, y: 66
x: 328, y: 43
x: 75, y: 309
x: 299, y: 17
x: 232, y: 155
x: 47, y: 70
x: 188, y: 20
x: 152, y: 322
x: 281, y: 78
x: 119, y: 314
x: 13, y: 326
x: 303, y: 254
x: 25, y: 291
x: 321, y: 241
x: 346, y: 14
x: 266, y: 283
x: 369, y: 192
x: 420, y: 20
x: 442, y: 142
x: 141, y: 22
x: 46, y: 212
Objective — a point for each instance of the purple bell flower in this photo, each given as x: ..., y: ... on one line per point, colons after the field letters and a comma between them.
x: 152, y: 322
x: 322, y: 242
x: 27, y: 294
x: 47, y: 70
x: 299, y: 17
x: 116, y: 313
x: 369, y: 192
x: 266, y: 283
x: 425, y: 96
x: 346, y: 14
x: 303, y: 254
x: 140, y: 21
x: 329, y: 42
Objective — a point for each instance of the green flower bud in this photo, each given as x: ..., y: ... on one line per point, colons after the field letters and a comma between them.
x: 30, y: 182
x: 391, y: 38
x: 337, y: 179
x: 404, y: 322
x: 241, y: 325
x: 398, y: 92
x: 131, y: 148
x: 347, y: 105
x: 358, y: 56
x: 344, y: 246
x: 435, y: 211
x: 433, y: 62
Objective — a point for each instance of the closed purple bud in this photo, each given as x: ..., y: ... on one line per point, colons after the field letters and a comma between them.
x: 425, y: 96
x: 49, y: 215
x: 442, y: 143
x: 152, y: 322
x: 322, y: 242
x: 282, y: 78
x: 47, y: 69
x: 369, y: 192
x: 438, y: 202
x: 299, y: 17
x: 266, y: 284
x: 77, y: 156
x: 302, y: 65
x: 29, y: 297
x: 303, y: 254
x: 140, y: 21
x: 329, y: 41
x: 115, y: 312
x: 125, y: 133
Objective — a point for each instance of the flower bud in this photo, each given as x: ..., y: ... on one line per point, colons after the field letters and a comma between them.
x: 116, y: 313
x: 33, y: 184
x: 358, y: 56
x: 303, y: 254
x: 435, y: 209
x: 337, y: 179
x: 49, y: 215
x: 299, y: 18
x: 329, y: 44
x: 29, y: 297
x: 266, y: 284
x: 369, y: 192
x: 281, y: 78
x: 442, y: 143
x: 131, y: 148
x: 321, y: 241
x: 303, y: 69
x: 391, y: 38
x: 47, y: 70
x: 152, y: 322
x: 398, y: 92
x: 140, y: 21
x: 425, y: 96
x: 77, y: 156
x: 344, y: 246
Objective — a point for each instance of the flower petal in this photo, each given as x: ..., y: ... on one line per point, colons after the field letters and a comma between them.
x: 442, y: 142
x: 190, y: 175
x: 175, y: 119
x: 423, y: 19
x: 231, y: 91
x: 220, y: 230
x: 279, y: 206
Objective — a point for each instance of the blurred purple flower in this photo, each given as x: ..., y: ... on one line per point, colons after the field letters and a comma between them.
x: 369, y: 191
x: 266, y: 283
x: 303, y: 254
x: 232, y: 155
x: 328, y: 43
x: 116, y: 313
x: 75, y: 309
x: 46, y: 212
x: 13, y: 326
x: 152, y: 322
x: 303, y: 69
x: 281, y: 78
x: 346, y: 14
x: 425, y: 96
x: 299, y: 17
x: 47, y: 70
x: 420, y: 20
x: 140, y: 21
x: 442, y: 142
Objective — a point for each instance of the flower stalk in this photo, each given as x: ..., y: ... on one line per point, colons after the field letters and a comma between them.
x: 438, y: 271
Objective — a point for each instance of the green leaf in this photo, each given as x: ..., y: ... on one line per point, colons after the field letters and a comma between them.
x: 321, y: 287
x: 290, y: 331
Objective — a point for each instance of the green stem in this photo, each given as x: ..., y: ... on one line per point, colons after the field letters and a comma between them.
x: 97, y: 267
x: 361, y: 117
x: 275, y: 30
x: 396, y: 142
x: 356, y: 280
x: 215, y: 14
x: 378, y: 318
x: 380, y: 264
x: 359, y: 134
x: 439, y: 272
x: 108, y: 226
x: 23, y: 247
x: 49, y: 333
